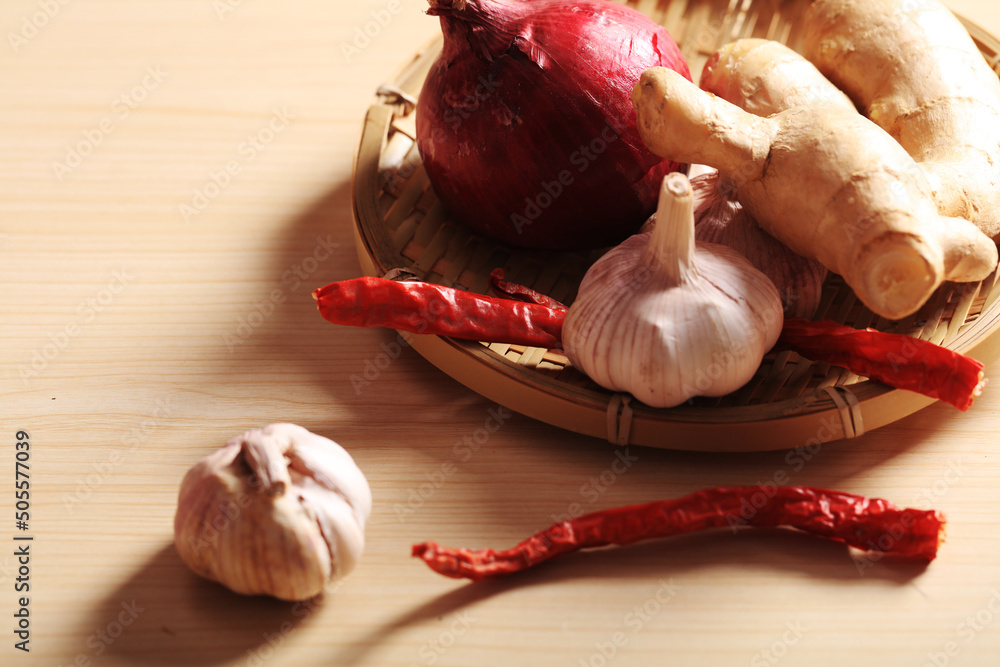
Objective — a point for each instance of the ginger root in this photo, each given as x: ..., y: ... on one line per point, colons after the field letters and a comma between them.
x: 913, y: 69
x: 828, y: 183
x: 764, y: 77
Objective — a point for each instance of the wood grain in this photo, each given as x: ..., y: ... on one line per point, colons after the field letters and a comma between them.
x: 138, y: 337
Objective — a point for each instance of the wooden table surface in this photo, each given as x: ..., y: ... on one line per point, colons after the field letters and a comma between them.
x: 175, y: 181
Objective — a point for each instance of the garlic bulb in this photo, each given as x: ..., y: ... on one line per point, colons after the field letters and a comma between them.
x: 277, y: 511
x: 667, y: 319
x: 719, y: 218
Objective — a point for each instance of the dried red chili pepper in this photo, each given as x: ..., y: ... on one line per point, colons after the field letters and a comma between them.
x: 900, y: 361
x: 520, y: 292
x: 421, y: 307
x: 897, y: 360
x: 871, y: 524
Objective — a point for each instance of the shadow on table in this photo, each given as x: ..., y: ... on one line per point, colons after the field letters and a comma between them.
x: 347, y: 364
x: 314, y: 248
x: 757, y: 551
x: 322, y: 353
x: 350, y: 366
x: 164, y: 615
x: 330, y: 361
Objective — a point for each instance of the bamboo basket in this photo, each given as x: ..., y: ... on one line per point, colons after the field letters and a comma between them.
x: 790, y: 402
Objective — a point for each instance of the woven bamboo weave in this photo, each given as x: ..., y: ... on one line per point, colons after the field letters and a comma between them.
x: 790, y: 402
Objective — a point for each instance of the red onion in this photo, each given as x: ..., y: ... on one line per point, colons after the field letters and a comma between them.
x: 525, y: 122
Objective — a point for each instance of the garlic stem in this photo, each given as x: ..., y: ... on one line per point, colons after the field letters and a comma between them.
x: 671, y: 249
x: 665, y: 319
x: 267, y: 462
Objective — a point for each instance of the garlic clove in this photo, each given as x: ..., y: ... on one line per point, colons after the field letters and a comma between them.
x: 277, y: 511
x: 720, y: 218
x: 333, y: 469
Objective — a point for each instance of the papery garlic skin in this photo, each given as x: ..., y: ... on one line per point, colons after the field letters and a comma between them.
x: 720, y: 218
x: 666, y: 319
x: 278, y: 511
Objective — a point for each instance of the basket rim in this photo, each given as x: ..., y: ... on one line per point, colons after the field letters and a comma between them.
x: 821, y: 415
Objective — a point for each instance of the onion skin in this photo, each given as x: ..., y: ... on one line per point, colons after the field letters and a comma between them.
x: 525, y: 122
